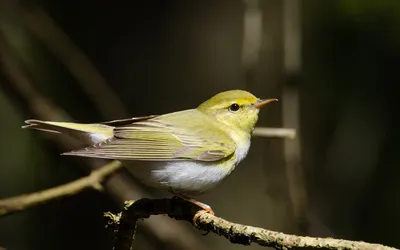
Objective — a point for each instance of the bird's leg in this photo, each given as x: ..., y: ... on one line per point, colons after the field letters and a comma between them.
x: 204, y: 207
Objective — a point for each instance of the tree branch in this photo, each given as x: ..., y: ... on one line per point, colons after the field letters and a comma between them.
x: 281, y: 133
x: 93, y: 180
x: 124, y: 225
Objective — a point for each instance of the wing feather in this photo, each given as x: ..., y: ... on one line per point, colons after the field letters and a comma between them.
x: 127, y: 120
x: 163, y: 138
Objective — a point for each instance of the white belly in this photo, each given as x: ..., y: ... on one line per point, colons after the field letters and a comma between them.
x: 181, y: 177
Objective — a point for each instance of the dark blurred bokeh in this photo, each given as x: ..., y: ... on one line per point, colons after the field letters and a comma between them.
x: 333, y: 64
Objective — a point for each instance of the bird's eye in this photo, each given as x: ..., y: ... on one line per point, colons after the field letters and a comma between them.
x: 234, y: 107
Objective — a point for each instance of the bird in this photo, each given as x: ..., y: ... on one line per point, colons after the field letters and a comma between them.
x: 189, y: 152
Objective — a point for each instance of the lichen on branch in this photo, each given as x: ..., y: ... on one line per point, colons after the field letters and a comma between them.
x: 124, y: 225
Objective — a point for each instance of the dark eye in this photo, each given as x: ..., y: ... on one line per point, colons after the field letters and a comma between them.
x: 234, y: 107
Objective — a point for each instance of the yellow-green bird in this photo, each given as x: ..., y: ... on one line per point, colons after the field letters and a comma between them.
x: 191, y: 151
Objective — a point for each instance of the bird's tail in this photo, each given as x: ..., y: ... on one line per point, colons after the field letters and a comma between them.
x: 87, y: 133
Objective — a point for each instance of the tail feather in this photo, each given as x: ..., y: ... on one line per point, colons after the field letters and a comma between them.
x: 41, y: 129
x: 87, y: 133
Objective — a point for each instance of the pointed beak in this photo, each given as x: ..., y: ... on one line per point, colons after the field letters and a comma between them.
x: 261, y: 102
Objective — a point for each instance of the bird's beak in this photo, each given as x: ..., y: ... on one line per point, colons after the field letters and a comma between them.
x: 261, y: 102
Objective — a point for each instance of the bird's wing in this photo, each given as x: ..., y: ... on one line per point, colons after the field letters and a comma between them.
x: 163, y: 139
x: 127, y: 121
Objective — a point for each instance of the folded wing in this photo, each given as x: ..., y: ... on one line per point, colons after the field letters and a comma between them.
x: 163, y: 138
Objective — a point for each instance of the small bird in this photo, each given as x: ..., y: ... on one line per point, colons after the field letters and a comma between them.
x: 189, y: 152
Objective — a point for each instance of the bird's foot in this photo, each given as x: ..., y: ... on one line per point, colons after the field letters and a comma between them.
x: 205, y: 209
x: 201, y: 212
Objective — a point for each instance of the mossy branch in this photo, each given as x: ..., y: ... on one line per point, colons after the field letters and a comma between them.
x: 124, y: 225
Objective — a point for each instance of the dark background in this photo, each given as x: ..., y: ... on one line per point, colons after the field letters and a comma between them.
x: 100, y: 60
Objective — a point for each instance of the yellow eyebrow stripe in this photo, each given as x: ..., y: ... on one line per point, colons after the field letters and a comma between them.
x: 241, y: 102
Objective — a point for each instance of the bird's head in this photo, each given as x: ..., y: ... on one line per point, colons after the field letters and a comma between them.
x: 235, y: 108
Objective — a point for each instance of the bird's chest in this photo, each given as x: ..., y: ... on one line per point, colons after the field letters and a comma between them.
x: 242, y: 146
